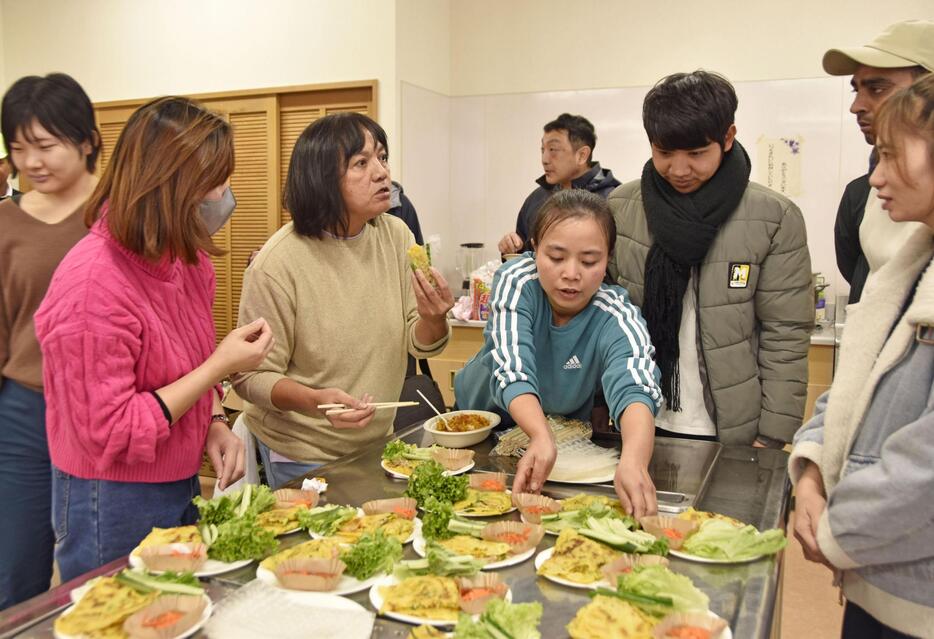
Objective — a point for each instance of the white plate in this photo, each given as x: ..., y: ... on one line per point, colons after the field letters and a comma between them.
x: 420, y: 548
x: 545, y: 555
x: 376, y: 599
x: 195, y: 628
x: 346, y: 586
x: 210, y: 568
x: 680, y: 554
x: 461, y: 513
x: 447, y: 473
x: 416, y: 531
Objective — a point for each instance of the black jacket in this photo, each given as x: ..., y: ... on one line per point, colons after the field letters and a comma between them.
x: 597, y: 180
x: 402, y: 208
x: 850, y: 258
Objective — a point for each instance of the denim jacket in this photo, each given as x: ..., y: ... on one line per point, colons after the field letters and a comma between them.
x: 872, y: 436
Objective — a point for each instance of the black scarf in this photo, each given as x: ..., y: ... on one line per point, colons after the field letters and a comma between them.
x: 682, y: 228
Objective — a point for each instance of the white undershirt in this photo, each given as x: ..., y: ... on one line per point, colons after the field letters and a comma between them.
x: 880, y: 237
x: 693, y: 418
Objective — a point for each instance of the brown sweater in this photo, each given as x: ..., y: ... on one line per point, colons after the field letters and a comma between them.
x: 343, y: 313
x: 30, y: 251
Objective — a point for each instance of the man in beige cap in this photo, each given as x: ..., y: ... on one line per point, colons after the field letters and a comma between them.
x: 864, y: 236
x: 6, y: 189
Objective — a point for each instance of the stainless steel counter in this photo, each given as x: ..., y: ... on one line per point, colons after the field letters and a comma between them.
x: 747, y: 483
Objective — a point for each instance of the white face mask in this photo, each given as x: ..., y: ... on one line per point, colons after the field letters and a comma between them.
x: 215, y: 213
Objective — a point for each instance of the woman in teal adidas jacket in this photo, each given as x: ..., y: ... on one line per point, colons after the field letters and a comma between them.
x: 556, y: 333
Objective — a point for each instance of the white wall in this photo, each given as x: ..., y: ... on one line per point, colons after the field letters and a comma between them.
x: 546, y: 45
x: 120, y: 49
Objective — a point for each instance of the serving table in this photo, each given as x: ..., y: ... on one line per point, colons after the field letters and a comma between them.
x: 750, y: 484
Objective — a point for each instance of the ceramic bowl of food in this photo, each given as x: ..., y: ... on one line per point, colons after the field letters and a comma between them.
x: 461, y: 428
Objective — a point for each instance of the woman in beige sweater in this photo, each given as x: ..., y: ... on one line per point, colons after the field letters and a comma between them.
x: 342, y: 302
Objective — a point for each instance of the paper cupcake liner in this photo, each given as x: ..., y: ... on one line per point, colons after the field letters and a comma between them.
x: 673, y: 529
x: 492, y: 482
x: 452, y: 458
x: 290, y: 497
x: 626, y: 563
x: 713, y: 625
x: 138, y: 625
x: 179, y: 557
x: 474, y: 605
x: 520, y: 536
x: 404, y: 507
x: 310, y: 574
x: 533, y: 506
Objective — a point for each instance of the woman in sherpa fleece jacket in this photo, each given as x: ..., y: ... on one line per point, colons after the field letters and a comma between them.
x: 863, y: 466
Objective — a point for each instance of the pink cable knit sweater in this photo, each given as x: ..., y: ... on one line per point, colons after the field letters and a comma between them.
x: 112, y: 328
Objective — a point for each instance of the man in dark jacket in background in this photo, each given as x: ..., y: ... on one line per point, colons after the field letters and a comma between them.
x: 567, y: 157
x: 896, y: 58
x: 402, y: 208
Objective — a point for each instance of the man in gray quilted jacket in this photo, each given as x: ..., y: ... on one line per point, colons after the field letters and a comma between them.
x: 720, y: 267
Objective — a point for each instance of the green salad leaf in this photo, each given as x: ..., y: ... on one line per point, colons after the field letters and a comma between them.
x: 372, y: 554
x: 428, y: 480
x: 577, y: 519
x: 399, y: 449
x: 440, y: 522
x: 241, y: 538
x: 718, y: 539
x: 658, y: 591
x: 501, y: 620
x: 616, y: 534
x: 250, y: 500
x: 439, y: 561
x: 325, y: 520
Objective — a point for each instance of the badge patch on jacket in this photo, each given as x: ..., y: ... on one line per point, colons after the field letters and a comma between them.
x: 739, y: 275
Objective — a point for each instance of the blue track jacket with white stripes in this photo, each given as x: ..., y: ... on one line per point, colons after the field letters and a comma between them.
x: 605, y: 344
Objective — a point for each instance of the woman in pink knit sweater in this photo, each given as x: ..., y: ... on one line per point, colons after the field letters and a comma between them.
x: 127, y: 336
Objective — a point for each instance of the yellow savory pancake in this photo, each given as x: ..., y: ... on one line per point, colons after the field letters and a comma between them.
x: 163, y: 536
x: 610, y: 618
x: 314, y: 549
x: 428, y: 597
x: 700, y: 516
x: 391, y: 524
x: 280, y: 520
x: 100, y: 613
x: 577, y: 558
x: 582, y: 501
x: 489, y: 551
x: 425, y: 632
x: 485, y: 503
x: 401, y: 465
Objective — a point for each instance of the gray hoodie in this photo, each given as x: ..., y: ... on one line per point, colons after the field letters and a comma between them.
x: 872, y: 436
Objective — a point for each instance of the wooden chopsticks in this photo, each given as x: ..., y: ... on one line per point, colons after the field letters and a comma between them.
x: 338, y: 409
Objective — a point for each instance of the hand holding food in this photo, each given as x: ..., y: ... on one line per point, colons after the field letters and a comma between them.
x: 535, y: 465
x: 226, y: 452
x: 635, y: 489
x: 432, y: 294
x: 244, y: 348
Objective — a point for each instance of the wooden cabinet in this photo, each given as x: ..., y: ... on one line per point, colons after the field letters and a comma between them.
x: 466, y: 340
x: 820, y: 374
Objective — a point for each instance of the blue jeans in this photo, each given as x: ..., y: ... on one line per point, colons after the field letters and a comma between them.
x: 26, y: 539
x: 279, y: 473
x: 97, y: 521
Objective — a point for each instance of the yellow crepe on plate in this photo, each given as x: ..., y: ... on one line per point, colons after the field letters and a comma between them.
x: 577, y: 558
x: 484, y: 503
x: 489, y: 551
x: 100, y: 613
x: 700, y: 516
x: 279, y: 521
x: 610, y: 618
x: 582, y: 501
x: 314, y: 549
x: 401, y: 465
x: 427, y: 597
x: 163, y: 536
x: 391, y: 524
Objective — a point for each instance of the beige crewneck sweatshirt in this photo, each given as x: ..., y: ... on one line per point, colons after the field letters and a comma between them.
x: 343, y: 312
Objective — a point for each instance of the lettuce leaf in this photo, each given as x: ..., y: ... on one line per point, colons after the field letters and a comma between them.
x: 428, y: 480
x: 661, y: 584
x: 325, y: 520
x: 718, y: 539
x: 242, y: 538
x: 372, y: 554
x: 439, y: 561
x: 577, y: 519
x: 616, y: 534
x: 502, y: 620
x: 250, y: 500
